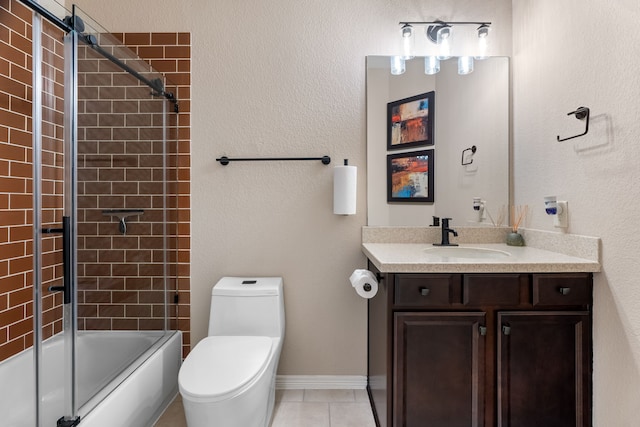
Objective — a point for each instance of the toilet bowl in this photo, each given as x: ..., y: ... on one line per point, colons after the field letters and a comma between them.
x: 228, y: 379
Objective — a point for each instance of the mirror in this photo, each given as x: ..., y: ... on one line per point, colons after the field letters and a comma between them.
x: 469, y: 110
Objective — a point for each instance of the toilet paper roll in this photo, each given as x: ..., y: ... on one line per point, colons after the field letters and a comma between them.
x: 364, y: 282
x: 344, y: 190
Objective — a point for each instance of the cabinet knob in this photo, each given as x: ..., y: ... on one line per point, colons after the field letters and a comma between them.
x: 506, y: 329
x: 424, y: 291
x: 564, y: 291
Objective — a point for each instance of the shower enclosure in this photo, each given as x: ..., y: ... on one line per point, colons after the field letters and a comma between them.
x: 104, y: 218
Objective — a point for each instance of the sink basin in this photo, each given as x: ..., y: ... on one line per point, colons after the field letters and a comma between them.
x: 466, y: 252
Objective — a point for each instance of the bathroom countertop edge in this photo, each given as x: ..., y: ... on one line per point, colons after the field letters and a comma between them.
x: 410, y: 258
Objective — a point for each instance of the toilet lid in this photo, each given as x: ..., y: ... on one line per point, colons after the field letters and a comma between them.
x: 220, y: 365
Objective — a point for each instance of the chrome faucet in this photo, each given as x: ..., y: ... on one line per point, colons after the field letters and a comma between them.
x: 445, y: 234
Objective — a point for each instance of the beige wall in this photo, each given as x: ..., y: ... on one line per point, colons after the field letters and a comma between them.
x: 566, y: 54
x: 569, y: 54
x: 285, y: 80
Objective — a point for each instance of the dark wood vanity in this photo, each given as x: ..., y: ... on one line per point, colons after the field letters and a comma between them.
x: 481, y: 349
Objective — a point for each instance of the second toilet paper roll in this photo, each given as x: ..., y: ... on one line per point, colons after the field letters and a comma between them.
x: 364, y: 282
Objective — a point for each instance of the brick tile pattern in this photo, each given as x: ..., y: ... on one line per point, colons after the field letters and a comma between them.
x: 121, y: 277
x: 16, y: 178
x: 52, y: 175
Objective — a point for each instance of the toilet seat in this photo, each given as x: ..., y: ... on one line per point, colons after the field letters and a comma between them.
x: 219, y: 367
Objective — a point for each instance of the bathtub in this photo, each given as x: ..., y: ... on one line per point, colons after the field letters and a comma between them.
x: 125, y: 379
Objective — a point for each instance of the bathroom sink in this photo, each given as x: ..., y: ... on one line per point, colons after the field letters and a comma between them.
x: 466, y: 252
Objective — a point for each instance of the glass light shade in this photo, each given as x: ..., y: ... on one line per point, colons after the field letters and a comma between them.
x: 465, y: 65
x: 431, y: 65
x: 408, y: 41
x: 443, y: 41
x: 397, y: 65
x: 483, y: 41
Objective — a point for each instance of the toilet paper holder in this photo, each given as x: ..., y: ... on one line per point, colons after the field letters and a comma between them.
x: 379, y: 278
x: 367, y: 286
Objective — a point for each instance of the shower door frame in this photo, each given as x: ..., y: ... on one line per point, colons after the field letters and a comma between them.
x: 68, y: 227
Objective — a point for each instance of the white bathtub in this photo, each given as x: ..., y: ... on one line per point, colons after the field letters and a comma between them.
x: 145, y: 365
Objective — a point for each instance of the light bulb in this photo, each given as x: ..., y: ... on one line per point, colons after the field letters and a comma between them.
x: 431, y: 65
x: 408, y: 41
x: 397, y: 65
x: 465, y: 65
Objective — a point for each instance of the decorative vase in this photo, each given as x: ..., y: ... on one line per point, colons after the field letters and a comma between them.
x: 515, y: 239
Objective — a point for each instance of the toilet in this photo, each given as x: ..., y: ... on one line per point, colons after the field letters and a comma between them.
x: 228, y: 379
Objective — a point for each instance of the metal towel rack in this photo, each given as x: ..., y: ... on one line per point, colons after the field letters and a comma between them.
x: 581, y: 113
x: 224, y: 160
x: 473, y: 150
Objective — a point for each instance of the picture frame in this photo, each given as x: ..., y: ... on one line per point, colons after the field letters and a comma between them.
x: 410, y: 177
x: 410, y: 121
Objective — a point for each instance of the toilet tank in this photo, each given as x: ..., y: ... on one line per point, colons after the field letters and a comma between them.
x: 251, y: 306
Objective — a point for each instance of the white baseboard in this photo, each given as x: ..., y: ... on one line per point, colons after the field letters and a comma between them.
x: 320, y: 382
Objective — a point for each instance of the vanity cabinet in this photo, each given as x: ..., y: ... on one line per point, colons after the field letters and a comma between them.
x: 439, y: 355
x: 451, y: 349
x: 543, y: 368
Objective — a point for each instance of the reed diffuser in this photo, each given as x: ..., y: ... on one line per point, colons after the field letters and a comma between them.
x: 518, y: 214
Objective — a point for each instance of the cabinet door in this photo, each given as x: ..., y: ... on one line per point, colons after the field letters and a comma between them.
x: 439, y: 369
x: 544, y: 369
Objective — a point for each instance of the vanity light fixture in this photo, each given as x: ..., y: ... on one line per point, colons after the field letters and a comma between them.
x: 440, y: 33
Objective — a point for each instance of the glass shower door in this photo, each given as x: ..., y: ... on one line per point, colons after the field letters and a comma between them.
x: 54, y: 196
x: 102, y: 123
x: 123, y: 117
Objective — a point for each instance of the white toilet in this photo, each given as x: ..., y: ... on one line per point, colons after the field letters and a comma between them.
x: 228, y: 379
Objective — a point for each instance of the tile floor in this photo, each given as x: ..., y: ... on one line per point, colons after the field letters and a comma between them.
x: 302, y: 408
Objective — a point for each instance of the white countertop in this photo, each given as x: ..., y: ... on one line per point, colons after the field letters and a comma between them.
x: 413, y: 258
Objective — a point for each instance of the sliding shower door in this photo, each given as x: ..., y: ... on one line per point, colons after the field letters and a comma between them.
x: 53, y: 213
x: 104, y: 126
x: 121, y: 216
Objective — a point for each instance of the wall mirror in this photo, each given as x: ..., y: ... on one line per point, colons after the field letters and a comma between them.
x: 469, y: 110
